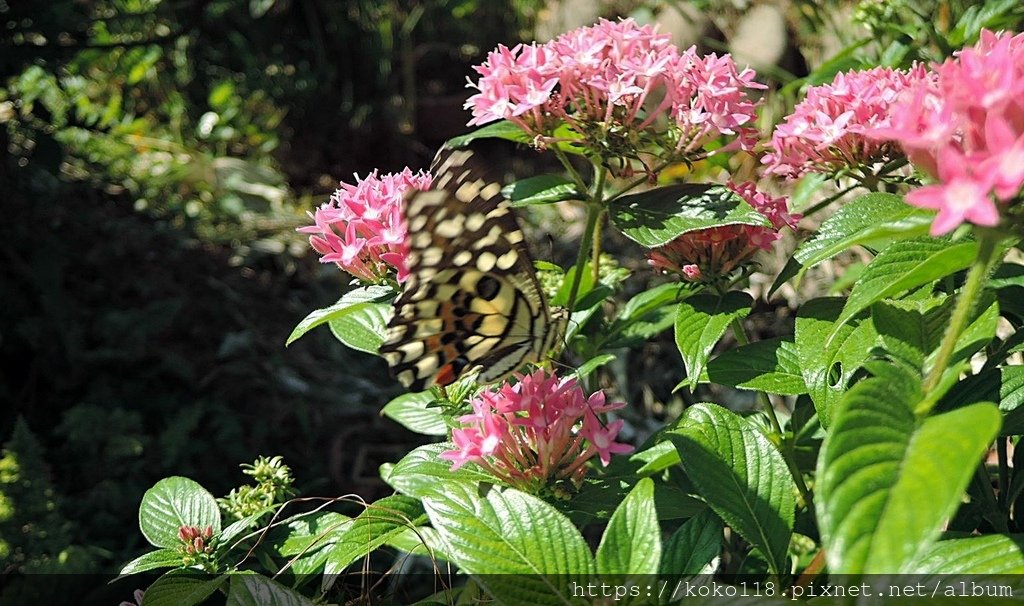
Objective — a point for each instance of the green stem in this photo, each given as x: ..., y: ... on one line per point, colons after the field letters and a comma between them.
x: 594, y: 211
x: 961, y: 313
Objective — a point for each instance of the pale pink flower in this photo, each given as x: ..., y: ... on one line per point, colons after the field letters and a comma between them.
x: 709, y: 255
x: 964, y: 126
x: 831, y: 129
x: 362, y: 229
x: 618, y: 81
x: 536, y: 432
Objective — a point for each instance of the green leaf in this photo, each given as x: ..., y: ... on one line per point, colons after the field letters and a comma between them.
x: 693, y: 546
x: 372, y: 528
x: 497, y: 130
x: 905, y: 265
x: 771, y: 366
x: 251, y: 589
x: 700, y: 323
x: 990, y: 554
x: 413, y: 411
x: 542, y: 189
x: 658, y: 216
x: 221, y: 94
x: 631, y: 543
x: 308, y: 532
x: 1004, y: 385
x: 172, y: 503
x: 363, y: 329
x: 658, y: 457
x: 872, y: 220
x: 593, y: 364
x: 645, y: 315
x: 741, y: 475
x: 182, y: 588
x: 886, y: 482
x: 422, y: 470
x: 828, y: 367
x: 911, y: 329
x: 161, y: 558
x: 352, y: 301
x: 523, y: 549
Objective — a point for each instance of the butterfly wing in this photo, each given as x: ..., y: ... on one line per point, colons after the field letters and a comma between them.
x: 472, y: 298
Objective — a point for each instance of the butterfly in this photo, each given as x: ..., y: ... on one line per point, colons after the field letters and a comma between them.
x: 472, y: 300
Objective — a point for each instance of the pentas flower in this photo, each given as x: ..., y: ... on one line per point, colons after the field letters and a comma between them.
x: 965, y: 128
x: 362, y: 229
x: 708, y: 255
x: 536, y: 432
x: 831, y: 129
x: 621, y: 86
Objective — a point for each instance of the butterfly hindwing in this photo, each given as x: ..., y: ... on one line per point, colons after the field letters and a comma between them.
x: 472, y: 298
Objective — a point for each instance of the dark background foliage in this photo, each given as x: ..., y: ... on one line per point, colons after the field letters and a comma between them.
x: 159, y: 156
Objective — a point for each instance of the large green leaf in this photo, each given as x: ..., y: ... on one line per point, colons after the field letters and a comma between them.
x: 412, y: 411
x: 509, y: 131
x: 887, y: 482
x: 911, y: 329
x: 741, y: 475
x: 161, y: 558
x: 251, y: 589
x: 693, y: 546
x: 905, y: 265
x: 422, y: 470
x: 632, y: 540
x: 770, y: 365
x: 990, y: 554
x: 172, y: 503
x: 645, y: 315
x: 182, y: 588
x: 872, y: 220
x: 542, y: 189
x: 700, y: 323
x: 1004, y: 385
x: 828, y: 367
x: 657, y: 216
x: 351, y: 302
x: 365, y: 328
x: 519, y: 548
x: 380, y: 521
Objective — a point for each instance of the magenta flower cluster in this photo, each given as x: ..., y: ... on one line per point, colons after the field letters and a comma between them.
x: 708, y: 255
x: 831, y: 129
x: 965, y: 128
x: 537, y: 431
x: 621, y: 78
x: 363, y: 230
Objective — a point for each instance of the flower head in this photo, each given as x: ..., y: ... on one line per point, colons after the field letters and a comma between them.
x: 622, y: 87
x: 708, y: 255
x: 362, y: 229
x: 830, y: 130
x: 536, y: 432
x: 964, y: 126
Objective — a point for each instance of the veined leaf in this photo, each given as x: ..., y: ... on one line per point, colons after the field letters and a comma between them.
x: 700, y: 323
x: 631, y: 544
x: 771, y: 365
x: 352, y: 301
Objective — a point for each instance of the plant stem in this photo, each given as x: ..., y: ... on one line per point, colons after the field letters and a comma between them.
x: 592, y: 231
x: 961, y: 313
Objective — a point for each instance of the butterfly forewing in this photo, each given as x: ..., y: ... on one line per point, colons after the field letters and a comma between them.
x: 472, y: 299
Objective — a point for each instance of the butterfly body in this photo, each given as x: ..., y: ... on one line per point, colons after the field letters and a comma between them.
x: 472, y: 300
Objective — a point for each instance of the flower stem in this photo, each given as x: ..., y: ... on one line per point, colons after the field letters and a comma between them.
x: 961, y: 314
x: 594, y: 212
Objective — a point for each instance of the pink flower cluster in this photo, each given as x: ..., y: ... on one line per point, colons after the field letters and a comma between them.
x: 538, y: 431
x: 363, y: 228
x: 830, y: 130
x: 965, y: 128
x: 617, y: 77
x: 707, y: 255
